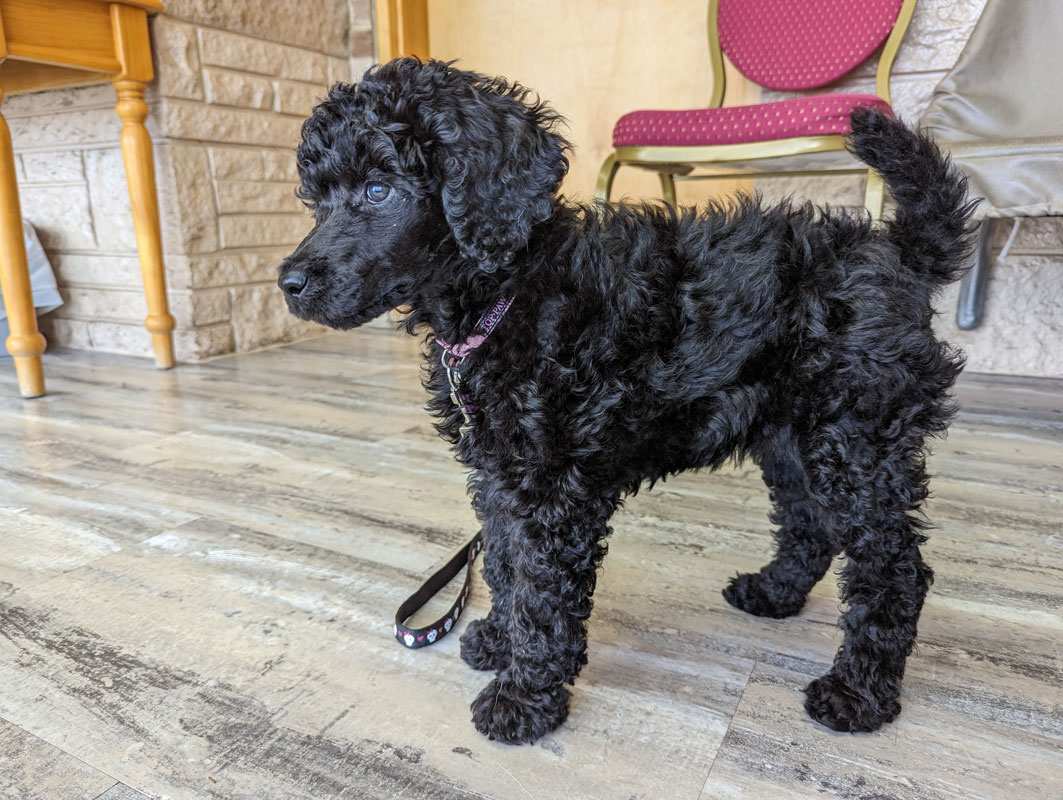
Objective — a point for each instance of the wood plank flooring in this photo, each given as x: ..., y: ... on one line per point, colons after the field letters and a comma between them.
x: 198, y: 570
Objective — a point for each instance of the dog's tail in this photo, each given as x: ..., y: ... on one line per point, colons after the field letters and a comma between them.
x: 931, y: 224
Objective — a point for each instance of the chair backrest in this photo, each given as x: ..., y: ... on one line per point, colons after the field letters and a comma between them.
x: 804, y: 44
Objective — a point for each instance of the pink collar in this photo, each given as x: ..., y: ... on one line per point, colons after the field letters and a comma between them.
x: 484, y: 326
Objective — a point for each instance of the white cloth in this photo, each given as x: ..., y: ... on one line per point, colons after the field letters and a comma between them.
x: 999, y: 111
x: 46, y: 295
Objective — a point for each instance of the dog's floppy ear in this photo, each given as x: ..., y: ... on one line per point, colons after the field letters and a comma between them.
x: 498, y: 159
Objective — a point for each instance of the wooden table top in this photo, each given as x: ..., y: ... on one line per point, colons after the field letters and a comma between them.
x: 47, y: 44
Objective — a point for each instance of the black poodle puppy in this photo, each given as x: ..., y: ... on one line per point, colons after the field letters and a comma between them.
x: 627, y: 344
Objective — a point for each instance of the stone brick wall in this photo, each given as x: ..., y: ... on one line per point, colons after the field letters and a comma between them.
x: 1023, y: 323
x: 233, y: 85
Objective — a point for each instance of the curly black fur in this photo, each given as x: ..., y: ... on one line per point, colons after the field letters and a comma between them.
x: 644, y: 341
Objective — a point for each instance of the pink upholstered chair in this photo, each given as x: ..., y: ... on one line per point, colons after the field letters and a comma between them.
x: 786, y: 45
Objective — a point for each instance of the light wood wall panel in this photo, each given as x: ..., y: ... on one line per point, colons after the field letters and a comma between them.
x: 401, y: 28
x: 593, y: 60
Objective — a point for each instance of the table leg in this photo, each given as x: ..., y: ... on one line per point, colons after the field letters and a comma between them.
x: 140, y: 176
x: 25, y: 342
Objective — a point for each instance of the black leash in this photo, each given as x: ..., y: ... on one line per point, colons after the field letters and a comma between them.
x: 452, y: 357
x: 422, y: 637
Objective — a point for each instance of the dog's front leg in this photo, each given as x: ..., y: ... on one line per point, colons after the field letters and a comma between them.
x: 485, y: 643
x: 554, y: 560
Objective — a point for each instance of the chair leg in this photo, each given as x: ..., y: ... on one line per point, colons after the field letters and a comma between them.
x: 605, y: 178
x: 25, y: 343
x: 668, y: 188
x: 971, y: 303
x: 874, y: 195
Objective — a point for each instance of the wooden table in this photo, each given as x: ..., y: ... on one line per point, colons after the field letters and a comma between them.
x: 51, y: 43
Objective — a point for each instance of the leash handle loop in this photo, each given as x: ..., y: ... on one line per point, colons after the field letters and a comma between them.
x: 415, y: 638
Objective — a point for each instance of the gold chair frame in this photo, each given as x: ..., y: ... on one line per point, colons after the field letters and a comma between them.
x: 673, y: 163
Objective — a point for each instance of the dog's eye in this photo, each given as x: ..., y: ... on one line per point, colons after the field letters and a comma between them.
x: 377, y: 192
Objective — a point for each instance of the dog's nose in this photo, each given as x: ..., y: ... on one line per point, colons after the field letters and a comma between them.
x: 293, y: 282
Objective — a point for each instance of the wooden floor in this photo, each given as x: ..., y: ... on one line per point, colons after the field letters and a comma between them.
x: 198, y: 570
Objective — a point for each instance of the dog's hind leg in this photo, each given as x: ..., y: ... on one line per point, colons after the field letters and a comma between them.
x: 554, y: 558
x: 804, y: 550
x: 884, y: 582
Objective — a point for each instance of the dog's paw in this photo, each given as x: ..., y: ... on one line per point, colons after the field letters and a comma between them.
x: 484, y: 645
x: 829, y: 701
x: 508, y: 714
x: 756, y: 594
